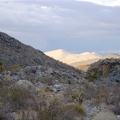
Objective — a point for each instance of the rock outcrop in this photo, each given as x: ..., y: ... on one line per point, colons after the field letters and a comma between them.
x: 106, y: 68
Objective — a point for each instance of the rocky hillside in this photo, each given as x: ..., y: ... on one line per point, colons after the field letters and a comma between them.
x: 106, y: 68
x: 40, y: 93
x: 15, y: 53
x: 84, y: 65
x: 45, y: 89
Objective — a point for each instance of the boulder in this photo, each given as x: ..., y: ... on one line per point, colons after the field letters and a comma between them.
x: 25, y: 84
x: 105, y: 116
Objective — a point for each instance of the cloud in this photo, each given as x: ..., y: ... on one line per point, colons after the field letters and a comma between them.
x: 68, y: 24
x: 105, y: 2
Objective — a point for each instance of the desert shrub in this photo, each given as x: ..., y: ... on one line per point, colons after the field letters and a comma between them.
x: 72, y: 110
x: 48, y: 89
x: 108, y: 95
x: 13, y: 68
x: 48, y: 81
x: 1, y: 83
x: 44, y: 92
x: 116, y: 109
x: 89, y: 91
x: 50, y: 110
x: 3, y: 94
x: 4, y: 114
x: 18, y: 97
x: 77, y: 96
x: 54, y: 110
x: 74, y: 95
x: 102, y: 95
x: 73, y: 106
x: 93, y: 75
x: 6, y: 81
x: 24, y: 114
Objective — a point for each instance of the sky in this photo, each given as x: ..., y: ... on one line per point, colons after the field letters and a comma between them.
x: 73, y: 25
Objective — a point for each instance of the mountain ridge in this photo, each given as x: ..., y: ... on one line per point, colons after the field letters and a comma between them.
x: 15, y: 53
x: 68, y: 57
x: 81, y: 60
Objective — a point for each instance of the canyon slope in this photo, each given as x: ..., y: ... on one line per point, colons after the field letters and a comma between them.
x: 34, y: 86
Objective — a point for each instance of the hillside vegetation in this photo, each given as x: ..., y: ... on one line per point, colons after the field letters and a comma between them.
x: 34, y: 86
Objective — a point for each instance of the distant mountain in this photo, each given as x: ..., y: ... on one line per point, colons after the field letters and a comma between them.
x: 69, y: 58
x: 112, y: 55
x: 84, y: 65
x: 80, y: 61
x: 60, y: 54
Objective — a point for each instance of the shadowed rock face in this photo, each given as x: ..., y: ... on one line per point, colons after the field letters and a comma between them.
x: 13, y: 52
x: 107, y: 68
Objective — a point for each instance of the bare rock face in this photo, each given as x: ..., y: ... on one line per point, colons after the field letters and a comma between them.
x: 25, y: 84
x: 107, y: 68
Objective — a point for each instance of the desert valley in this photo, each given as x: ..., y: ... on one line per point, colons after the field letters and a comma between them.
x: 57, y: 85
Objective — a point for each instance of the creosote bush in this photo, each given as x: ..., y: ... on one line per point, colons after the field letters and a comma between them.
x: 19, y: 96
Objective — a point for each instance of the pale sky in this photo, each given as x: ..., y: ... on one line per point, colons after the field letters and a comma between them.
x: 74, y: 25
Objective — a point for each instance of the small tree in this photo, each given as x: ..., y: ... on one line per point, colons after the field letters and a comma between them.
x: 1, y: 65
